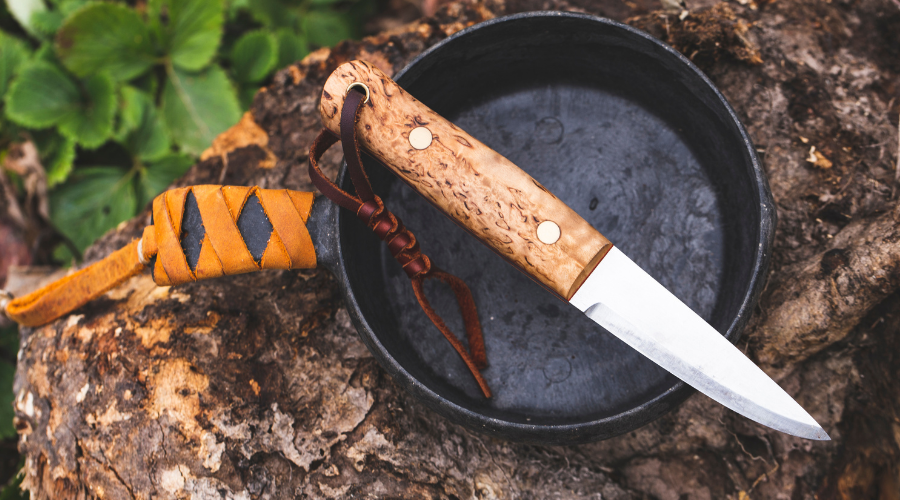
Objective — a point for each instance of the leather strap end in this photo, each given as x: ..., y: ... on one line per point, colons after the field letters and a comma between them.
x: 64, y: 296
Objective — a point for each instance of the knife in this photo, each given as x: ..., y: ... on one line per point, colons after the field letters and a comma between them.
x: 523, y: 222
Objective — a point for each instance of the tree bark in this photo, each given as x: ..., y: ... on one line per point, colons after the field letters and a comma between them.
x: 211, y: 390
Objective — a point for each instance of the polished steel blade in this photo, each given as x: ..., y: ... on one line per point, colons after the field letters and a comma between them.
x: 621, y: 297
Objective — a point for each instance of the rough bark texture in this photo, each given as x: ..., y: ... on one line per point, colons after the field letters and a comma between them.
x: 257, y: 387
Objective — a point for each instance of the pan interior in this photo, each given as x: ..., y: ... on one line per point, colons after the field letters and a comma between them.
x: 633, y: 140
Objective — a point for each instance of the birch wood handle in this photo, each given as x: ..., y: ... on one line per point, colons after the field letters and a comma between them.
x: 471, y: 183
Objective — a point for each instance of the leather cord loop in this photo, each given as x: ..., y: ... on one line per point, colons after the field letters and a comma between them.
x: 402, y: 244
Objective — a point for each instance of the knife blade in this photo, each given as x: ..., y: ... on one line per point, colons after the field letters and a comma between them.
x: 671, y: 335
x: 527, y: 225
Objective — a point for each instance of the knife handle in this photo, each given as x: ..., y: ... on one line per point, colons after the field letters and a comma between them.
x: 474, y: 185
x: 197, y: 232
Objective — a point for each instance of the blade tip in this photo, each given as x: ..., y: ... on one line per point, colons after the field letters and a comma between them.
x: 816, y: 433
x: 821, y: 435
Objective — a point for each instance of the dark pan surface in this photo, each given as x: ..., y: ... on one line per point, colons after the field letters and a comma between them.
x: 633, y: 138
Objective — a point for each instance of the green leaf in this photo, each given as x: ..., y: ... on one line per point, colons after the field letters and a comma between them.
x: 93, y: 122
x: 59, y: 165
x: 45, y: 53
x: 254, y: 56
x: 291, y: 48
x: 68, y: 7
x: 13, y: 52
x: 7, y: 374
x: 148, y: 82
x: 322, y: 3
x: 106, y: 37
x: 326, y: 28
x: 198, y: 107
x: 63, y: 254
x: 246, y: 95
x: 234, y: 9
x: 41, y: 96
x: 57, y: 154
x: 274, y: 13
x: 93, y: 201
x: 131, y: 110
x: 47, y: 22
x: 191, y: 30
x: 146, y: 138
x: 22, y: 10
x: 160, y: 174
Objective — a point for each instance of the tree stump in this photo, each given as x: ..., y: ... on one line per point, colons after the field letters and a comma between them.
x: 256, y: 386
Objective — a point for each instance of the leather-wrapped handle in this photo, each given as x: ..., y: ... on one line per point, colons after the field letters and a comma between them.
x: 198, y: 232
x: 485, y: 193
x: 202, y: 232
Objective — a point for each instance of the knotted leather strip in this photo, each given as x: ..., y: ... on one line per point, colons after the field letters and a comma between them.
x: 223, y: 249
x: 402, y: 244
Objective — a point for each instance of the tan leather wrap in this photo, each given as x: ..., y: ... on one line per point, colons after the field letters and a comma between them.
x: 222, y: 252
x: 77, y: 289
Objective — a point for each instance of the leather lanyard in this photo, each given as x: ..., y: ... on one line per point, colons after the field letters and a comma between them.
x: 402, y: 244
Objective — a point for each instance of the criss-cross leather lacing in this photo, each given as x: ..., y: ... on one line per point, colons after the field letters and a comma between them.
x: 402, y: 244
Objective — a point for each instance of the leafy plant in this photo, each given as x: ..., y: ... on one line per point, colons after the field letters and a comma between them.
x: 120, y: 98
x: 147, y: 86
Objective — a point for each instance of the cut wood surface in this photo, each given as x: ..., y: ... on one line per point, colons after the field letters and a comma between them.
x: 256, y: 386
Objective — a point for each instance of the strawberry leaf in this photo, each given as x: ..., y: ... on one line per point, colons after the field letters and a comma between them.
x: 145, y: 137
x: 13, y: 53
x: 254, y: 56
x: 93, y: 201
x: 190, y: 30
x: 106, y: 37
x: 92, y: 123
x: 41, y: 96
x: 158, y: 175
x: 198, y: 107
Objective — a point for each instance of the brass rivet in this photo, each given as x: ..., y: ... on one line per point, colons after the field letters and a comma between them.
x: 420, y: 138
x: 362, y: 86
x: 548, y: 232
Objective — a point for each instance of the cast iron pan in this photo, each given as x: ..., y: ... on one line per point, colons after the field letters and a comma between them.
x: 604, y: 116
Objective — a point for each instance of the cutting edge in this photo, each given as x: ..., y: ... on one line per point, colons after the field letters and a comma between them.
x: 633, y: 306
